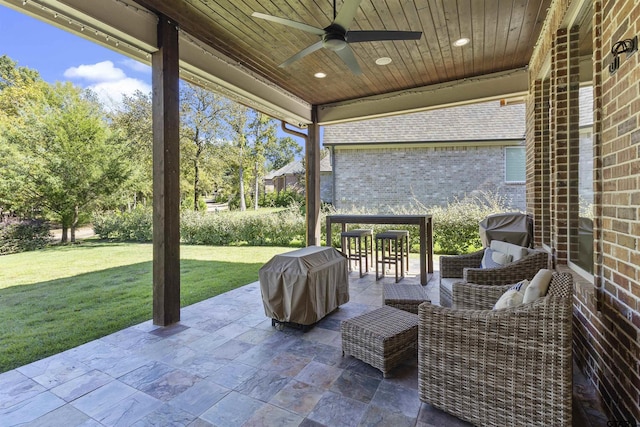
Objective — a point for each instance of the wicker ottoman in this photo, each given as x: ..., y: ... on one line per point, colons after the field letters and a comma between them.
x: 404, y: 297
x: 381, y: 338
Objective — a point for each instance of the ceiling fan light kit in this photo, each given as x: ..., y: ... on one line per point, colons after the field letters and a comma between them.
x: 337, y: 37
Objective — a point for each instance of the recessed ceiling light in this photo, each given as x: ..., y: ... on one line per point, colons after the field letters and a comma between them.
x: 383, y: 61
x: 320, y: 75
x: 461, y: 42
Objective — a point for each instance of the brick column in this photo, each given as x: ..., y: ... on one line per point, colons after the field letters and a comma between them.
x: 538, y: 160
x: 565, y: 84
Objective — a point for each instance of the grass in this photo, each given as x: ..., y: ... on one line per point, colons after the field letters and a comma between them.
x: 60, y: 297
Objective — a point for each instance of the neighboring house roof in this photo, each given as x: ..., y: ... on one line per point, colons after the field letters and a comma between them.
x: 296, y: 167
x: 486, y: 121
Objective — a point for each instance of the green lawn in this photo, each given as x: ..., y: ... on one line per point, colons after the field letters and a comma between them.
x: 57, y: 298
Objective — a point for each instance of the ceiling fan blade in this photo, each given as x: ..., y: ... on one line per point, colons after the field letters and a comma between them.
x: 374, y: 36
x: 289, y: 23
x: 346, y: 54
x: 347, y: 13
x: 304, y: 52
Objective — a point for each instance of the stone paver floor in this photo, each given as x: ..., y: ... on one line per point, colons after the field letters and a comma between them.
x: 224, y: 365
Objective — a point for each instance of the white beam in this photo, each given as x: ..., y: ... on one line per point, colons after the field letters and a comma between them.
x: 485, y: 88
x: 120, y: 26
x: 236, y: 82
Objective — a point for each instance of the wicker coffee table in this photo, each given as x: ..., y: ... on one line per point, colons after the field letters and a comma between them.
x: 382, y: 337
x: 404, y: 297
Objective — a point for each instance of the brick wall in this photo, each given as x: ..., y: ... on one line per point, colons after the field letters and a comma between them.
x: 326, y: 187
x: 384, y: 178
x: 620, y: 223
x: 606, y: 317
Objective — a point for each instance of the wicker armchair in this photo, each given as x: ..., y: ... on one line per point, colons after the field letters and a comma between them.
x: 466, y: 268
x: 510, y: 367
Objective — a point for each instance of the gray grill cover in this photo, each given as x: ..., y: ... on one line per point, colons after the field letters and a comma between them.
x: 304, y: 285
x: 512, y: 227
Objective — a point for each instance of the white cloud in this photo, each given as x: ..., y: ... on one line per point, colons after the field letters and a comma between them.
x: 136, y: 66
x: 110, y: 93
x: 100, y: 72
x: 107, y: 81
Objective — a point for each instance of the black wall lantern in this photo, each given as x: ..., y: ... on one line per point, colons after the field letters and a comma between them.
x: 627, y: 46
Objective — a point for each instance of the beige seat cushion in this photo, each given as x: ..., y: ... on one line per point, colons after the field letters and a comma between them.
x: 493, y: 259
x: 513, y: 296
x: 538, y: 286
x: 516, y: 252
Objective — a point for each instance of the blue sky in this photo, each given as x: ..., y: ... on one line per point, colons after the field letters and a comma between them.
x: 61, y: 56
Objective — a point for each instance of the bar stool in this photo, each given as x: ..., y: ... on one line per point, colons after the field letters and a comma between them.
x: 392, y: 247
x: 352, y: 242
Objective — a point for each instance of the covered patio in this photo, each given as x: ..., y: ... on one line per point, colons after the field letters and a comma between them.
x: 224, y: 364
x: 537, y: 52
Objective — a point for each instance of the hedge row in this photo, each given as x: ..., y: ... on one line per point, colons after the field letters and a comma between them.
x: 456, y: 228
x: 283, y: 228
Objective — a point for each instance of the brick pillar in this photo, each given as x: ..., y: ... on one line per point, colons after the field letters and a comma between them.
x: 538, y: 160
x: 597, y: 146
x: 564, y: 138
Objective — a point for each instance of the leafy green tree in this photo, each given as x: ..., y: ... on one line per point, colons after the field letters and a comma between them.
x: 262, y: 134
x: 239, y: 153
x: 202, y: 122
x: 12, y: 75
x: 133, y: 122
x: 284, y: 151
x: 63, y: 158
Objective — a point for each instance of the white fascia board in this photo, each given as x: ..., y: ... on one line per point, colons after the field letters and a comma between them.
x: 489, y: 87
x: 209, y: 66
x: 426, y: 144
x: 129, y: 29
x: 126, y: 28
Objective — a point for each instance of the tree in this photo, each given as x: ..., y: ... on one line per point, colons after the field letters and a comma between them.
x: 11, y: 75
x: 19, y: 86
x: 239, y: 153
x: 63, y: 156
x: 262, y: 133
x: 284, y: 151
x: 201, y: 123
x: 133, y: 122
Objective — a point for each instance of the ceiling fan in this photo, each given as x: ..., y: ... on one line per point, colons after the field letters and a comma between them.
x: 337, y: 37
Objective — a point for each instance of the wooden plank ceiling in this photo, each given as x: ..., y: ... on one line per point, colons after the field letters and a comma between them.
x: 502, y: 36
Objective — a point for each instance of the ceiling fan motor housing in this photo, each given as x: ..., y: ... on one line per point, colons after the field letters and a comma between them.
x: 333, y: 41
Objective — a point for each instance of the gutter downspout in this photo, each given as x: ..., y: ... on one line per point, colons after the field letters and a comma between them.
x: 312, y: 179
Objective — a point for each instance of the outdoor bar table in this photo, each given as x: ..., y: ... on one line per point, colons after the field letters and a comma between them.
x: 423, y: 221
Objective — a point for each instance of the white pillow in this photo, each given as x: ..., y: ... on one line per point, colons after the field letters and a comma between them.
x: 538, y: 286
x: 493, y: 259
x: 513, y: 296
x: 515, y: 251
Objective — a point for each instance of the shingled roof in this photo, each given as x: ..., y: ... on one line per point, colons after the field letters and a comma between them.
x: 487, y: 121
x: 296, y: 167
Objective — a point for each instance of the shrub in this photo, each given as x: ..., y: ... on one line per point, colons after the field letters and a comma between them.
x: 234, y: 202
x: 283, y: 199
x: 456, y: 226
x: 284, y: 228
x: 23, y: 235
x: 200, y: 228
x: 135, y: 225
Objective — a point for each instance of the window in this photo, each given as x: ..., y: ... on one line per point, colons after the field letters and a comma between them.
x: 515, y: 160
x: 581, y: 162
